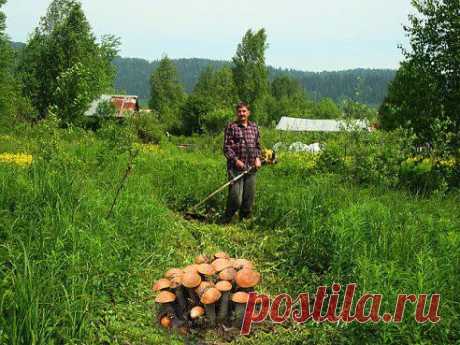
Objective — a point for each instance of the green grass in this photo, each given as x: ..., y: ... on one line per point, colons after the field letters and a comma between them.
x: 68, y: 275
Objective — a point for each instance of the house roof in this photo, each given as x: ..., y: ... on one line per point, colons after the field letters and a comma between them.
x: 313, y: 125
x: 125, y: 99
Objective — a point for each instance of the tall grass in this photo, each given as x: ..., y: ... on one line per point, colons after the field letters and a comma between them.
x: 70, y: 275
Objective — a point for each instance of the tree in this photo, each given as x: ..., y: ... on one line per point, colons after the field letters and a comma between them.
x: 5, y: 67
x: 218, y: 86
x: 167, y: 95
x: 327, y: 109
x: 427, y: 86
x: 249, y: 70
x: 62, y: 64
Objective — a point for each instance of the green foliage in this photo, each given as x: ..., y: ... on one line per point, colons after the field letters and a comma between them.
x: 167, y: 95
x: 327, y: 109
x: 428, y: 84
x: 250, y: 72
x: 6, y: 79
x: 61, y: 51
x: 149, y: 129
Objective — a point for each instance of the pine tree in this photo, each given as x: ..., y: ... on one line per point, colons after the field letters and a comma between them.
x: 167, y: 95
x: 249, y: 71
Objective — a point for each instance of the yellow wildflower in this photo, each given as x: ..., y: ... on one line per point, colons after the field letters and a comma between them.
x: 21, y: 159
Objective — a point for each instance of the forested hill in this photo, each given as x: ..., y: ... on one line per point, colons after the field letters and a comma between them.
x: 364, y: 85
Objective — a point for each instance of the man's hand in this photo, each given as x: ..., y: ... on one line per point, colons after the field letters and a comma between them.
x: 239, y: 165
x: 258, y: 163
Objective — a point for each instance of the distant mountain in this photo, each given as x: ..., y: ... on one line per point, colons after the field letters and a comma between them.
x: 367, y: 86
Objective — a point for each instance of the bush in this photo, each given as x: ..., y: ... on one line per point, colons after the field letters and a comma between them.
x: 148, y: 128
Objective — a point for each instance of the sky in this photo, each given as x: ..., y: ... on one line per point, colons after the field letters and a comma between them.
x: 311, y: 35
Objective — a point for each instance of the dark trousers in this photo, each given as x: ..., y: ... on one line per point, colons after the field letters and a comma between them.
x: 241, y: 195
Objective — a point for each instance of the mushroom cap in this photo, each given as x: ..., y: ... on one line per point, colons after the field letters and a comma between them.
x: 240, y: 297
x: 227, y: 274
x: 173, y: 272
x: 247, y: 278
x: 242, y: 263
x: 165, y: 321
x: 206, y: 269
x: 165, y: 297
x: 224, y: 285
x: 176, y: 281
x: 203, y: 286
x: 221, y: 255
x: 196, y: 312
x: 210, y: 296
x: 191, y: 279
x: 221, y: 264
x: 201, y: 259
x: 161, y: 284
x: 191, y: 268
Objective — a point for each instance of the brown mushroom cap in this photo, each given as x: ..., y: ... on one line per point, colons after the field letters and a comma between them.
x: 165, y: 297
x: 227, y: 274
x: 221, y: 255
x: 210, y: 296
x: 240, y: 297
x: 242, y: 263
x: 196, y: 312
x: 173, y: 272
x: 224, y: 285
x: 247, y: 278
x: 191, y: 279
x: 165, y: 321
x: 176, y: 281
x: 206, y: 269
x: 221, y: 264
x: 201, y: 259
x: 191, y: 268
x: 161, y: 284
x: 203, y: 286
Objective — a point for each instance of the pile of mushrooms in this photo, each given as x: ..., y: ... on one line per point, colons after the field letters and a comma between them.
x: 210, y: 292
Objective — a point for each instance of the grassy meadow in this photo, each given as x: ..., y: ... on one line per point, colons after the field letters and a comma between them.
x: 71, y: 275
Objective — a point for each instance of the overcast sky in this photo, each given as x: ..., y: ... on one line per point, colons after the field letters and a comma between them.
x: 311, y: 35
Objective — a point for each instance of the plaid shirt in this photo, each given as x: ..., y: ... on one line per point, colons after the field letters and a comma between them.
x: 241, y: 143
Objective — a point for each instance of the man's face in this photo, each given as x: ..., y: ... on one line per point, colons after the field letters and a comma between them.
x: 243, y: 114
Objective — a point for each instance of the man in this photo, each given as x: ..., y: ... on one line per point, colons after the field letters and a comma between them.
x: 242, y: 150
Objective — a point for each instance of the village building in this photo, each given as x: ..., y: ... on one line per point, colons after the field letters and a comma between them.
x: 123, y: 105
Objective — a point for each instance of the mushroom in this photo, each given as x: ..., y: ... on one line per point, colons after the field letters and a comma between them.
x: 196, y: 312
x: 191, y: 268
x: 165, y: 321
x: 221, y: 264
x: 176, y: 286
x: 173, y: 272
x: 240, y: 299
x: 202, y: 287
x: 224, y: 287
x: 221, y: 255
x: 207, y: 271
x: 228, y: 274
x: 242, y: 263
x: 209, y: 297
x: 191, y: 280
x: 166, y: 299
x: 247, y: 279
x: 161, y: 284
x: 201, y: 259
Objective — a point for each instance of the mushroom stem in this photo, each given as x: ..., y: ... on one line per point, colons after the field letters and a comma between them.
x: 211, y: 313
x: 239, y: 314
x: 182, y: 304
x: 167, y: 308
x: 223, y: 307
x: 192, y: 294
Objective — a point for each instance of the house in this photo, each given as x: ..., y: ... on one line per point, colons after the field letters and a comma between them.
x: 124, y: 105
x: 313, y: 125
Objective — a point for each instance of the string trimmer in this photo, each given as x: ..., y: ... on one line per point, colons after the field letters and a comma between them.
x: 268, y: 157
